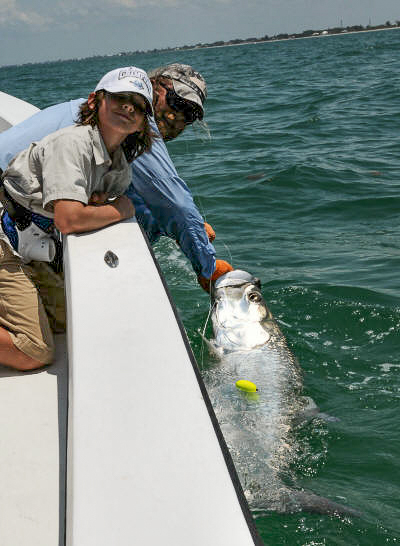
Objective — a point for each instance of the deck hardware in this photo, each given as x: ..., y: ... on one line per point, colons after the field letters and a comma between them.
x: 111, y: 259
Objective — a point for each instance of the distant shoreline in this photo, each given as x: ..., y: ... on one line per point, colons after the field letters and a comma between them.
x: 338, y: 31
x: 227, y: 44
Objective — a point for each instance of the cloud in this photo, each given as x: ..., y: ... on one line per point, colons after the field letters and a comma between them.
x: 113, y: 6
x: 41, y: 15
x: 134, y: 4
x: 11, y: 14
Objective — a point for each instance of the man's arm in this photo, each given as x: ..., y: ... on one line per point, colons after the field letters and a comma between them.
x: 33, y: 129
x: 171, y: 203
x: 144, y: 216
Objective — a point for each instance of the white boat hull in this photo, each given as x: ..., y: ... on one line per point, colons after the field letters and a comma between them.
x: 146, y: 460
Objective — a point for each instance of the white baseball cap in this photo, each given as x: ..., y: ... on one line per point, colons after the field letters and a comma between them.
x: 128, y: 80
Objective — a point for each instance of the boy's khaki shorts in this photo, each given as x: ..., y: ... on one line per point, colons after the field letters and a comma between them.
x: 21, y: 309
x: 51, y: 291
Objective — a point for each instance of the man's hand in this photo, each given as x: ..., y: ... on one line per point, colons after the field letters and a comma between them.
x: 221, y: 267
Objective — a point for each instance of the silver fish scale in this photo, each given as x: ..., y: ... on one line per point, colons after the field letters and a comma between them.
x: 257, y: 428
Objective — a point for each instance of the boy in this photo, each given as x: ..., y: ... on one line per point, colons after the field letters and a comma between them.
x: 67, y: 178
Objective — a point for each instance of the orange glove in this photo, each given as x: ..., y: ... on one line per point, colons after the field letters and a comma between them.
x: 210, y: 232
x: 221, y: 267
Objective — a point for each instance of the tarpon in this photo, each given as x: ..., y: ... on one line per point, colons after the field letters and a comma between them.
x: 258, y: 425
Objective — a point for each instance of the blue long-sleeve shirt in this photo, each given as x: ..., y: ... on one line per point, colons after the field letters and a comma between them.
x: 163, y: 202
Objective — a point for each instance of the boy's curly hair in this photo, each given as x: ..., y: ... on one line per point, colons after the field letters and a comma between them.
x: 134, y: 145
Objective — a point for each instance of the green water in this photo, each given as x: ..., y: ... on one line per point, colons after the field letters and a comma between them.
x: 300, y: 181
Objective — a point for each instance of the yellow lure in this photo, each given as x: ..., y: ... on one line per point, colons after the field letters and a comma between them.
x: 246, y: 386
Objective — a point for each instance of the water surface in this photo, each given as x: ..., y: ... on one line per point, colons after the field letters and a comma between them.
x: 300, y: 180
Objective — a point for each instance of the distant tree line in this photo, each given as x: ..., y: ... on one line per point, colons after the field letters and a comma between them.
x: 284, y: 36
x: 266, y: 38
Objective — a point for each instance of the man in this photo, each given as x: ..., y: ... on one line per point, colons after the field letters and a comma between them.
x: 162, y: 200
x: 55, y: 179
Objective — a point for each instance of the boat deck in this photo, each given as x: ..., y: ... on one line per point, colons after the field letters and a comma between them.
x: 33, y: 422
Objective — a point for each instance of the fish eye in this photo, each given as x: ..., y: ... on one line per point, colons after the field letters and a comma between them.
x: 254, y: 297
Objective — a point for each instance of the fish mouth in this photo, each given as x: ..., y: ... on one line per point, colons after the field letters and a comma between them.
x: 237, y: 277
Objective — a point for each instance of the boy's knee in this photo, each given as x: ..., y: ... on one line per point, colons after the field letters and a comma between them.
x: 45, y: 356
x: 30, y: 364
x: 35, y: 353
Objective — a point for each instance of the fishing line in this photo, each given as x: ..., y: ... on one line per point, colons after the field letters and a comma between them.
x: 229, y: 252
x: 201, y: 209
x: 201, y: 130
x: 200, y: 206
x: 203, y: 334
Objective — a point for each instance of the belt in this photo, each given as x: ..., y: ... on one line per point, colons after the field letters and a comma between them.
x: 23, y: 218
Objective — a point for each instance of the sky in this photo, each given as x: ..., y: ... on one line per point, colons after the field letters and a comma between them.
x: 43, y: 30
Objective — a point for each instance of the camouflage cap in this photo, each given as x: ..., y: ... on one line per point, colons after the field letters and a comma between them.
x: 188, y: 84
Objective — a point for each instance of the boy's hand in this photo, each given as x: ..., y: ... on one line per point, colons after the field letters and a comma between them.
x: 98, y: 198
x: 124, y: 206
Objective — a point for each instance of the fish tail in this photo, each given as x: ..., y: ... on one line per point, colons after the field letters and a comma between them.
x: 307, y: 501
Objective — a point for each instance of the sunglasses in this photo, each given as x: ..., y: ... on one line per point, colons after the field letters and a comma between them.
x: 129, y: 98
x: 189, y: 110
